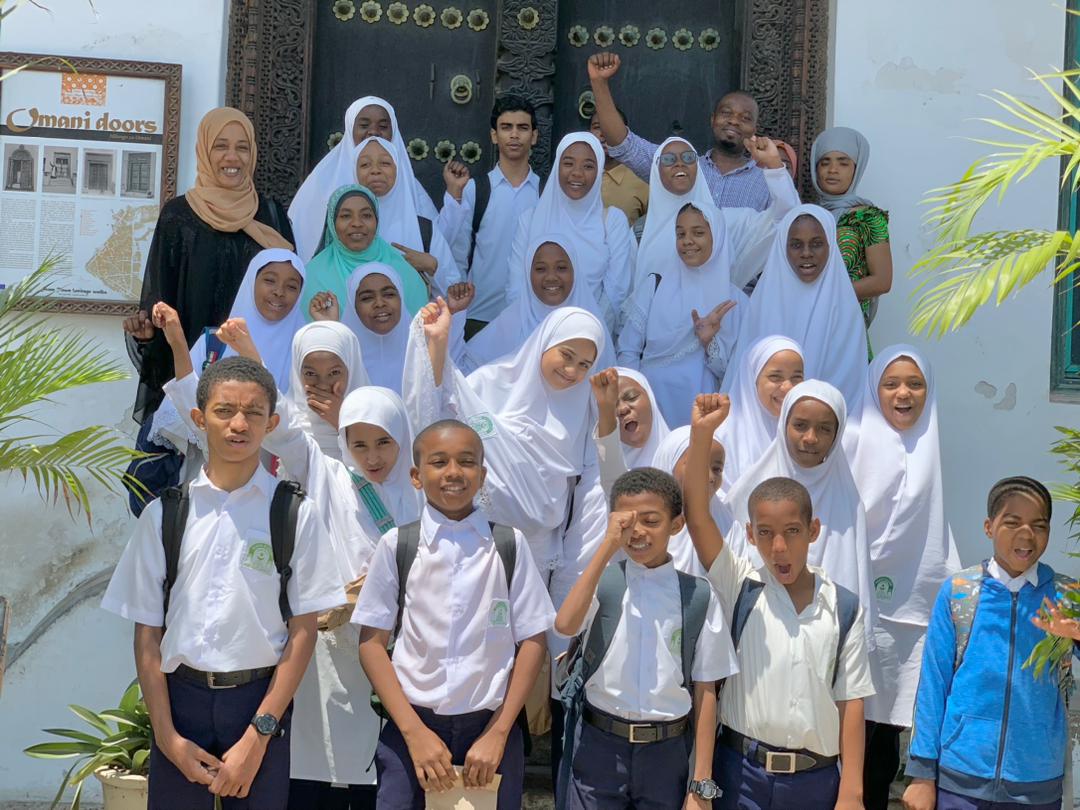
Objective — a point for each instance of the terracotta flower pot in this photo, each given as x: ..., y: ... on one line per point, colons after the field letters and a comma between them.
x: 122, y: 790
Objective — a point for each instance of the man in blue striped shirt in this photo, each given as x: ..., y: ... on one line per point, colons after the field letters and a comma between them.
x: 733, y: 178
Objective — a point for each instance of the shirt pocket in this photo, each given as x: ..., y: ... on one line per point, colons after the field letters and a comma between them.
x: 256, y: 563
x: 972, y: 746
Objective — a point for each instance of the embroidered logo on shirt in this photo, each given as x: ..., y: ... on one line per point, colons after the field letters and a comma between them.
x: 675, y: 643
x: 883, y: 589
x: 483, y: 424
x: 499, y: 616
x: 259, y: 557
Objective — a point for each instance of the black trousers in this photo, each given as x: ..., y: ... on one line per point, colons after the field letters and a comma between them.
x: 880, y: 764
x: 306, y: 795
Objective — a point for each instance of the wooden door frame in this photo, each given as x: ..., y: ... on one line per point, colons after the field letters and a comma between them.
x: 270, y: 60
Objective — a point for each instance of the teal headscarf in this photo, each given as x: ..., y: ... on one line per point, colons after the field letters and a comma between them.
x: 334, y: 263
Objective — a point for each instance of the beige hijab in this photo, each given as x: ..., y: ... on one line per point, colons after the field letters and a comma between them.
x: 223, y: 209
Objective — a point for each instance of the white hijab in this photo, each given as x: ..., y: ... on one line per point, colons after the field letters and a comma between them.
x: 749, y: 429
x: 273, y: 339
x: 384, y: 355
x: 658, y: 239
x: 397, y: 208
x: 381, y: 407
x: 899, y: 475
x: 582, y: 220
x: 519, y: 320
x: 669, y: 328
x: 841, y: 549
x: 823, y: 316
x: 322, y: 336
x: 644, y: 456
x: 307, y: 213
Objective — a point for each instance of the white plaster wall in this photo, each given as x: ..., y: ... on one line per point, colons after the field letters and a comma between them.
x: 909, y: 77
x: 86, y: 658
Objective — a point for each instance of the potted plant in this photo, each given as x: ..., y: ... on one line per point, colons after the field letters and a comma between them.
x: 117, y: 753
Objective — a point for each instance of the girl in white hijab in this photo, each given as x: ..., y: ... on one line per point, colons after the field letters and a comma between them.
x: 570, y: 204
x: 550, y: 279
x: 806, y: 295
x: 771, y: 368
x: 895, y: 454
x: 630, y: 426
x: 307, y: 211
x: 675, y: 180
x: 661, y: 334
x: 807, y: 448
x: 374, y: 310
x: 530, y: 408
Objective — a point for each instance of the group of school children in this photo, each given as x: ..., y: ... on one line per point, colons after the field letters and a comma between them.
x: 436, y: 464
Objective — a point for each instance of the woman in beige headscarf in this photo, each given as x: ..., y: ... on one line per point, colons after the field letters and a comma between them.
x: 202, y: 245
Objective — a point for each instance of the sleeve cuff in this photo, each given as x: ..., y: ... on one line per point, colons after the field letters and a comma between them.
x: 920, y: 768
x: 125, y: 611
x: 534, y: 628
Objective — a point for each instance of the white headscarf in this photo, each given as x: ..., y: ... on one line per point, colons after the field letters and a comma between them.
x: 823, y: 316
x: 841, y: 549
x: 397, y: 208
x: 307, y: 213
x: 273, y: 339
x: 899, y: 475
x: 515, y: 323
x: 669, y: 328
x: 322, y: 336
x: 644, y: 456
x: 749, y: 429
x: 381, y: 407
x: 658, y: 239
x: 384, y: 355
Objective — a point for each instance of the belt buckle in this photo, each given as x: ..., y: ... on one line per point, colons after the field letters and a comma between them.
x: 787, y: 757
x: 210, y: 681
x: 634, y: 727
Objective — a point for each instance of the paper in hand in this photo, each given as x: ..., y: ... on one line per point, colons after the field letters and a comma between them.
x: 460, y: 797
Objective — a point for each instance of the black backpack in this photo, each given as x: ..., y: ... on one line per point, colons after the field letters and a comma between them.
x: 284, y: 510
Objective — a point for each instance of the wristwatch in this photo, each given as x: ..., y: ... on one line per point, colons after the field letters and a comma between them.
x: 705, y: 788
x: 267, y: 725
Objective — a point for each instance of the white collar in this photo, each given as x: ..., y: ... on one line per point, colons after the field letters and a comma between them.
x: 433, y: 522
x: 1011, y: 583
x: 496, y: 176
x: 260, y: 479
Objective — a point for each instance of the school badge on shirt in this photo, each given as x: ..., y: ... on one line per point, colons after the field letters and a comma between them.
x: 259, y: 557
x: 483, y: 424
x: 499, y: 616
x: 883, y: 589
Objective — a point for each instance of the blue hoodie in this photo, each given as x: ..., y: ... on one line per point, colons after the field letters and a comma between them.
x: 990, y: 730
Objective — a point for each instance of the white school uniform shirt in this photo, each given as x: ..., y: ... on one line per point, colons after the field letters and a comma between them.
x: 640, y: 677
x: 783, y: 694
x: 223, y: 609
x: 494, y: 240
x: 459, y: 629
x: 1013, y: 584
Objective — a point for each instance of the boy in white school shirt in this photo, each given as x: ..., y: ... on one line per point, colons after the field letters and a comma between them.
x: 642, y: 713
x: 219, y: 667
x: 795, y: 708
x: 456, y: 685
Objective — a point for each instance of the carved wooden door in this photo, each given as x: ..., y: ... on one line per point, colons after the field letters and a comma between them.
x: 434, y: 63
x: 677, y: 58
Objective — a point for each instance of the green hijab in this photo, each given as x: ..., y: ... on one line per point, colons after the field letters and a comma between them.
x: 331, y: 267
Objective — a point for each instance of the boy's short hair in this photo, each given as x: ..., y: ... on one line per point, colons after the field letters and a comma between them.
x: 649, y: 479
x: 235, y: 369
x: 782, y: 489
x: 1013, y: 485
x: 436, y: 427
x: 512, y: 103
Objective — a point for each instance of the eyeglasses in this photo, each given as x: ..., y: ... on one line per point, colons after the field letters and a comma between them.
x: 689, y: 157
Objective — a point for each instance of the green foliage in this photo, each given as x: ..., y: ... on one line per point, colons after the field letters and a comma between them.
x: 37, y: 361
x: 120, y: 739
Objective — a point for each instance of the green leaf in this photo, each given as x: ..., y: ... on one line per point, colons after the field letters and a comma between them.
x: 91, y: 718
x: 62, y: 750
x: 82, y: 736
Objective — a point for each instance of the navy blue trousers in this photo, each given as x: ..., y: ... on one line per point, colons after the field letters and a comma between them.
x: 611, y: 773
x: 954, y: 801
x: 746, y: 785
x: 215, y: 720
x: 399, y: 788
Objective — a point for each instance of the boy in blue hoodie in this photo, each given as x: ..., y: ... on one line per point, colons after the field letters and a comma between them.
x: 988, y: 734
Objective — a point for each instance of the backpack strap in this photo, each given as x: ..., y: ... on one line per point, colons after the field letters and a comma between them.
x: 609, y: 593
x: 506, y: 546
x: 749, y: 592
x: 694, y: 601
x: 284, y: 513
x: 408, y: 543
x: 376, y: 509
x: 847, y: 610
x: 174, y: 512
x: 656, y: 277
x: 426, y: 229
x: 482, y: 184
x: 963, y: 602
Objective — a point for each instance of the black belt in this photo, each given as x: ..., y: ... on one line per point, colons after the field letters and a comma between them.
x: 775, y: 760
x: 635, y: 732
x: 223, y: 680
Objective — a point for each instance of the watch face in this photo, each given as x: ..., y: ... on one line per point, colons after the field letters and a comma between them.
x: 265, y: 724
x: 707, y: 789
